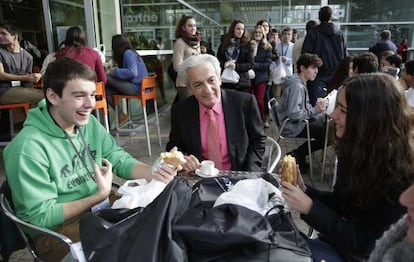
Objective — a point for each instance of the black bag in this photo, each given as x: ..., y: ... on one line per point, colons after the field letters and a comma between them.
x: 10, y: 237
x: 235, y: 233
x: 244, y: 81
x: 172, y: 73
x: 144, y: 235
x: 206, y: 191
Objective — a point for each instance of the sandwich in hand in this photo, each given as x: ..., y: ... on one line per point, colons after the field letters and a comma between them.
x: 289, y: 171
x: 174, y: 158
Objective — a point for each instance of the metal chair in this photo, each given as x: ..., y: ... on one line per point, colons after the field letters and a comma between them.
x: 148, y: 92
x: 101, y: 103
x: 325, y: 146
x: 272, y: 154
x: 76, y: 253
x: 272, y: 105
x: 12, y: 110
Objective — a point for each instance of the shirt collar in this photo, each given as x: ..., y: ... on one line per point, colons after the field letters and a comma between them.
x: 217, y: 108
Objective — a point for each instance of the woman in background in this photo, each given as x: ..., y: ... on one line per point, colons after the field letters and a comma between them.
x: 375, y: 149
x: 235, y: 52
x: 343, y: 71
x: 262, y: 55
x: 403, y: 50
x: 187, y: 43
x: 205, y: 48
x: 76, y: 48
x: 126, y: 78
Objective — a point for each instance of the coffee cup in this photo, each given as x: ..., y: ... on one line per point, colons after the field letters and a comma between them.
x: 207, y: 167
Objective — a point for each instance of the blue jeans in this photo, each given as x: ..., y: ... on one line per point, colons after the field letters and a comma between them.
x: 322, y: 250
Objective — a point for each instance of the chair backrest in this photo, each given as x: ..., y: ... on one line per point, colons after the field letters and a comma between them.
x: 272, y: 104
x: 10, y: 236
x: 148, y: 89
x: 7, y: 210
x: 101, y: 97
x: 273, y: 154
x: 279, y: 125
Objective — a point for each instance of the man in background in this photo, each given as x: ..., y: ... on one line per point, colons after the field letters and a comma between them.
x: 328, y: 43
x: 384, y: 44
x: 297, y: 47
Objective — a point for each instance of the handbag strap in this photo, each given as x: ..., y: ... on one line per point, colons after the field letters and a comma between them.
x: 280, y: 207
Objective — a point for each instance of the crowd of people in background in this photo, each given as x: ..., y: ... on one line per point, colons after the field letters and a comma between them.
x: 373, y: 116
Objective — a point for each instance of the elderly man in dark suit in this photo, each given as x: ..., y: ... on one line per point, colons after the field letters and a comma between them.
x: 240, y: 134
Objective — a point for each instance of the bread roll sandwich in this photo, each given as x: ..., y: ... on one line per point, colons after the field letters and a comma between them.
x: 174, y: 158
x: 289, y: 170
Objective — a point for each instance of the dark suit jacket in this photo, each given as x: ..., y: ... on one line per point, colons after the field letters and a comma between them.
x: 244, y: 129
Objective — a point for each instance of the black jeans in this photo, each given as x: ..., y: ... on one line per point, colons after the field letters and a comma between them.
x: 317, y: 129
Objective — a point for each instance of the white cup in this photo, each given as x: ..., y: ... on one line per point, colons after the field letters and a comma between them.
x: 207, y: 167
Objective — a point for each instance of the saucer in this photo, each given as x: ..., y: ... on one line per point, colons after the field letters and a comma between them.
x: 199, y: 173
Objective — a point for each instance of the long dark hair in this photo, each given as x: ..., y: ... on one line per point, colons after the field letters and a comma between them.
x: 120, y: 43
x: 376, y: 151
x: 180, y: 24
x: 341, y: 73
x: 75, y: 39
x: 230, y: 34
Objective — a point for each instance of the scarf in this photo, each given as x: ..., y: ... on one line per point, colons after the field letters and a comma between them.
x: 191, y: 40
x: 393, y: 246
x: 232, y: 51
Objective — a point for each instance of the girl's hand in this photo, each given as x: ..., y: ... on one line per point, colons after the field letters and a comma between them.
x: 296, y: 198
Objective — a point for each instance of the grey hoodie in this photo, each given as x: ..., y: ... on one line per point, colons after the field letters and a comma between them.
x: 393, y: 246
x: 294, y: 104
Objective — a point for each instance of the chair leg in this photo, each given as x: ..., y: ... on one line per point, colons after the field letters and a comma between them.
x: 157, y: 122
x: 11, y: 121
x: 309, y: 151
x: 129, y: 110
x: 116, y: 124
x: 146, y: 130
x: 106, y: 123
x: 325, y: 148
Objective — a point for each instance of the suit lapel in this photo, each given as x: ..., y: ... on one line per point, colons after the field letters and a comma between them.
x: 194, y: 126
x: 229, y: 120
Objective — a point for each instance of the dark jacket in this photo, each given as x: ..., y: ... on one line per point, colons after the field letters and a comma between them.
x: 381, y: 46
x: 244, y: 62
x: 350, y: 229
x: 262, y: 62
x: 244, y: 129
x: 328, y: 43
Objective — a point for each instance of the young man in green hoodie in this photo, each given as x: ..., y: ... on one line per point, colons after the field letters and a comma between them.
x: 61, y: 163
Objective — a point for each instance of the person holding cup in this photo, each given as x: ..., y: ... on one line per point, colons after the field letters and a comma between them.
x: 294, y: 104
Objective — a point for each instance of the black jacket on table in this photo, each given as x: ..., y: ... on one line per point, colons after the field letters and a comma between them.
x: 351, y: 229
x: 244, y: 129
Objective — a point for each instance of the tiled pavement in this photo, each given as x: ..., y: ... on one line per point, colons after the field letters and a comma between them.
x: 138, y: 149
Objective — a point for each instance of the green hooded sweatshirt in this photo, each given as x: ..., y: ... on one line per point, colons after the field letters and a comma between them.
x: 44, y: 170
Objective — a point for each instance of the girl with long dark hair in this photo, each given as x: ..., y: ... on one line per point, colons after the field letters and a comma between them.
x: 76, y: 48
x: 375, y: 149
x: 234, y: 52
x: 126, y: 78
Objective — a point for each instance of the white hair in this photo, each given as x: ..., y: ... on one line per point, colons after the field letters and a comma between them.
x: 197, y: 60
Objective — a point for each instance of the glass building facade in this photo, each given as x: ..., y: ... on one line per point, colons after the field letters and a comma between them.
x: 360, y: 21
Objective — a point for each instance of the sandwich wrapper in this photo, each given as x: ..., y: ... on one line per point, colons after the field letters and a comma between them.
x: 138, y: 193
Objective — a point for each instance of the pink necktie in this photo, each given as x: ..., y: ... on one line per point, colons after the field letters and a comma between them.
x: 213, y: 140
